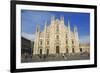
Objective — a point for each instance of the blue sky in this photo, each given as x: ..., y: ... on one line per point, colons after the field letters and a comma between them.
x: 30, y: 19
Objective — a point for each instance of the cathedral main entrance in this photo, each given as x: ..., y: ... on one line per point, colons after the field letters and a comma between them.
x: 57, y: 50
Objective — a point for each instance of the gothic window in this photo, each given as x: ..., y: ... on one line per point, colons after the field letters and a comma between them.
x: 57, y: 37
x: 47, y: 42
x: 40, y: 51
x: 40, y: 42
x: 72, y: 42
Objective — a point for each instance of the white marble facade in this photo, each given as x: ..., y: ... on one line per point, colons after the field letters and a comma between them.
x: 57, y: 38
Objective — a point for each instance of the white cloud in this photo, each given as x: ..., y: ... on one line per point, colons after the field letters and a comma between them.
x: 85, y: 39
x: 28, y: 36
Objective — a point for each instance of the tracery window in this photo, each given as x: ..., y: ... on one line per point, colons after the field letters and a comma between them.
x: 72, y: 42
x: 47, y: 42
x: 57, y: 37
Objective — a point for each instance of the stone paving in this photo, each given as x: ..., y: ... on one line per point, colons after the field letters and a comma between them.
x: 45, y: 58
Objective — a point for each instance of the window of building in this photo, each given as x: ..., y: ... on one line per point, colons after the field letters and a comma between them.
x: 57, y: 36
x: 40, y: 51
x: 40, y: 42
x: 47, y: 42
x: 72, y: 42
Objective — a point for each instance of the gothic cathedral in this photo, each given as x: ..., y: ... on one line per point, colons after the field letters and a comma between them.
x: 57, y: 38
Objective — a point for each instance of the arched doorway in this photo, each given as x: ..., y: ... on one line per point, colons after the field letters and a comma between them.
x: 57, y: 50
x: 40, y: 51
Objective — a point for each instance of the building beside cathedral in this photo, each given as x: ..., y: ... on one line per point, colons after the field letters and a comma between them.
x: 57, y: 38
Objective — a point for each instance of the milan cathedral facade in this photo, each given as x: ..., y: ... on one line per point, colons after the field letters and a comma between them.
x: 57, y: 38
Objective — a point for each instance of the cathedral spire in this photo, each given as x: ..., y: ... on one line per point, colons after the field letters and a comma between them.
x: 75, y: 29
x: 38, y: 28
x: 45, y: 27
x: 68, y: 24
x: 62, y: 20
x: 52, y: 18
x: 76, y: 33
